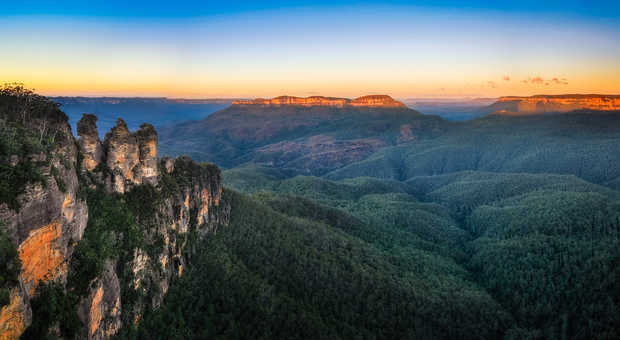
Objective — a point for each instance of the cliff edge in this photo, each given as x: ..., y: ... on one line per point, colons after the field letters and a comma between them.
x: 365, y: 101
x: 555, y: 103
x: 98, y: 229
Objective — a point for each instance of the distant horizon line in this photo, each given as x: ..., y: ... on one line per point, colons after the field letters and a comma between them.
x: 438, y: 98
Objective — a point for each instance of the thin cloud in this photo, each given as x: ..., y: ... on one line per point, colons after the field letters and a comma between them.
x: 491, y: 84
x: 506, y: 78
x: 561, y: 81
x: 537, y: 80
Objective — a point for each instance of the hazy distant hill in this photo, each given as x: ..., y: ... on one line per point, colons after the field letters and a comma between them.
x: 399, y: 143
x: 451, y: 109
x: 314, y: 138
x: 135, y: 111
x: 582, y: 144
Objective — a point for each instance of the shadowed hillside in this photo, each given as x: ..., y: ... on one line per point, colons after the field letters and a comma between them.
x: 313, y: 138
x: 584, y: 145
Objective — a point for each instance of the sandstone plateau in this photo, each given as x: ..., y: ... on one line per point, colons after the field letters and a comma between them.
x: 365, y: 101
x: 557, y: 103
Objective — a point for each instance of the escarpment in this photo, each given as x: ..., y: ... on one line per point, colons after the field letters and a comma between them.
x: 103, y: 227
x: 365, y: 101
x: 556, y: 103
x: 41, y: 209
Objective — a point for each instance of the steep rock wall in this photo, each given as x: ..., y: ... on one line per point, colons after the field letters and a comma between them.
x: 171, y: 198
x: 51, y: 216
x: 365, y: 101
x: 131, y: 157
x: 559, y: 103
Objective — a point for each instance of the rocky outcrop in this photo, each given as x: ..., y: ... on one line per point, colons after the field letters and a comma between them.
x: 100, y: 311
x: 14, y: 317
x: 200, y: 197
x: 42, y: 256
x: 131, y: 157
x: 148, y: 169
x: 52, y: 216
x: 192, y: 204
x: 89, y: 142
x: 556, y: 104
x: 366, y: 101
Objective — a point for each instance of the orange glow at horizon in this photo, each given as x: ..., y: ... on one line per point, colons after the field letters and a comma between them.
x: 402, y: 52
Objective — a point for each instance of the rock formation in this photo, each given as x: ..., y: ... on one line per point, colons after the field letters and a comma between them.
x: 100, y: 312
x: 557, y: 103
x: 52, y: 217
x: 376, y: 101
x: 193, y: 205
x: 366, y: 101
x: 89, y: 142
x: 131, y: 157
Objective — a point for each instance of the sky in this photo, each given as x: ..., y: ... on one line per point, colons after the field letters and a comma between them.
x: 234, y: 49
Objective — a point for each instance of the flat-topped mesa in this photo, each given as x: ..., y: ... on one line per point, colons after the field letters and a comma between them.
x: 296, y: 101
x: 561, y: 103
x: 376, y: 101
x: 366, y: 101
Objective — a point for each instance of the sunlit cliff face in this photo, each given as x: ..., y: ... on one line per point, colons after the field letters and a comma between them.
x: 563, y: 103
x: 365, y: 101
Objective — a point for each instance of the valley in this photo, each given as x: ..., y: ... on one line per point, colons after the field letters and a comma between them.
x: 525, y: 208
x: 328, y: 220
x: 321, y: 170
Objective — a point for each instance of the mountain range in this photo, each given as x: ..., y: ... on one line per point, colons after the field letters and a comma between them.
x: 332, y: 218
x: 315, y: 136
x: 555, y: 104
x: 157, y: 111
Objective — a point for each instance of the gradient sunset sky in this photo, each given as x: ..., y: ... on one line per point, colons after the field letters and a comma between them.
x: 202, y: 49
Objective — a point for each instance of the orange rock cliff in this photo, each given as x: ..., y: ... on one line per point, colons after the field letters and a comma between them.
x: 52, y: 218
x: 559, y: 103
x: 365, y: 101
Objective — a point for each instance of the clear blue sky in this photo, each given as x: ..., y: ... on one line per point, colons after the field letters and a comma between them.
x: 158, y: 8
x: 340, y: 48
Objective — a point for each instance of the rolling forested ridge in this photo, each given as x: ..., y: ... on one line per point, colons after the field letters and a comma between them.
x: 500, y: 227
x: 325, y: 223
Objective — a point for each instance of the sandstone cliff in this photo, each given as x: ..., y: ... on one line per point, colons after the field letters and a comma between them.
x: 376, y: 101
x: 131, y: 157
x: 89, y: 143
x: 556, y: 104
x: 50, y: 216
x: 366, y: 101
x: 56, y: 220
